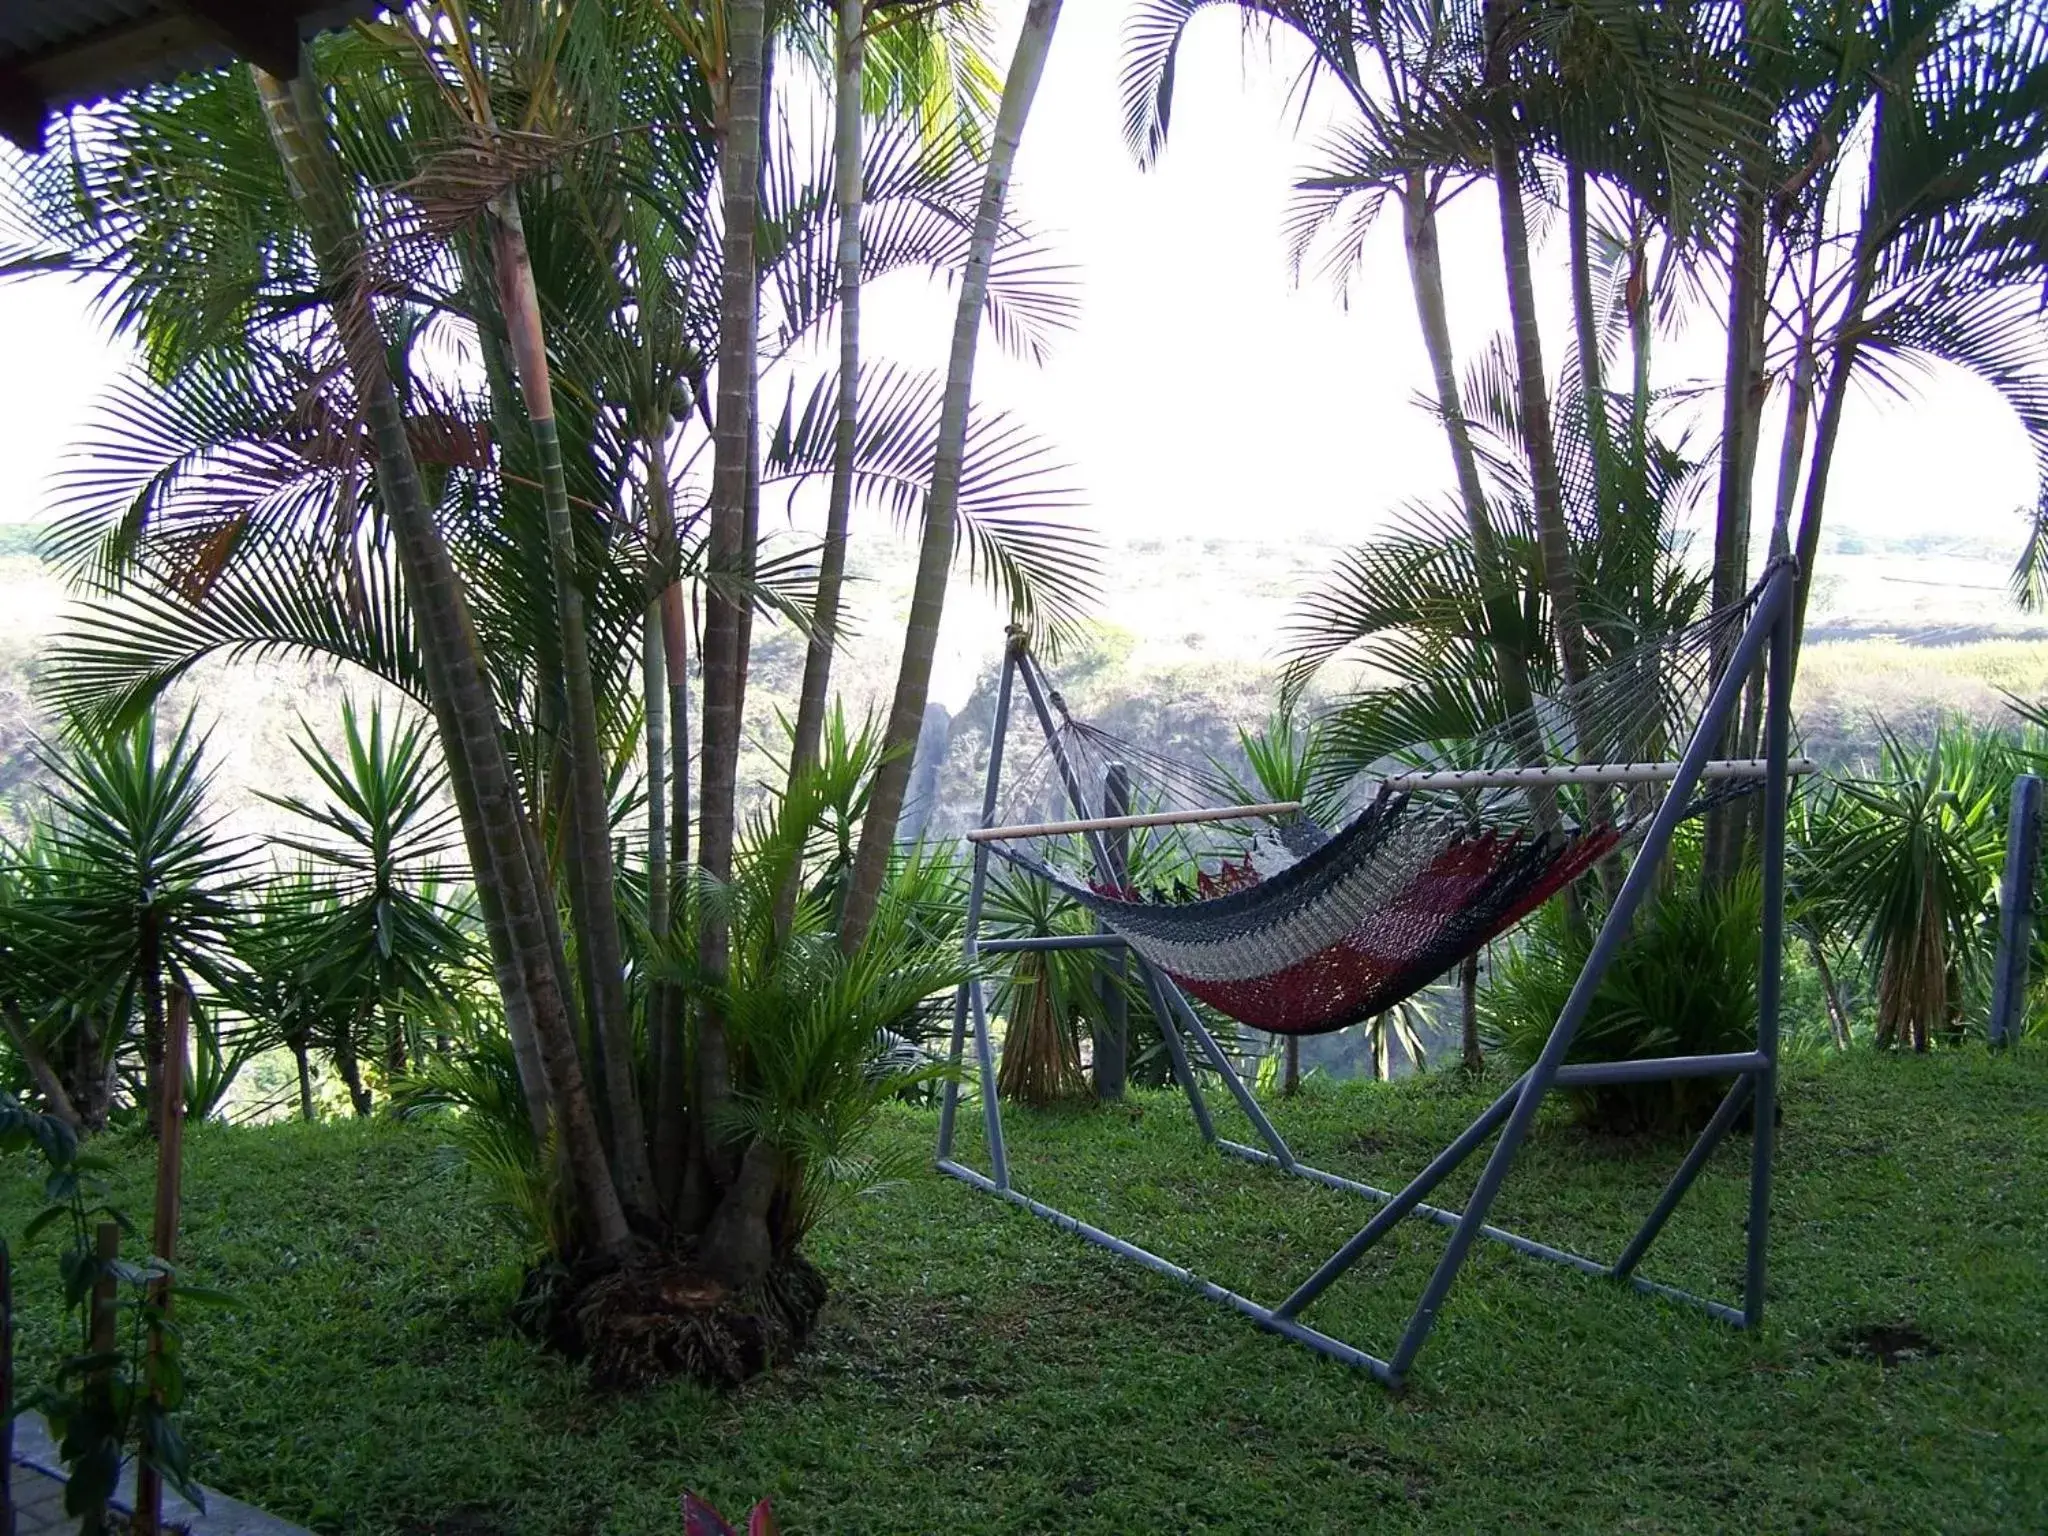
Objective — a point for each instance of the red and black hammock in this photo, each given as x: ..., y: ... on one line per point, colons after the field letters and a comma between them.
x: 1365, y: 919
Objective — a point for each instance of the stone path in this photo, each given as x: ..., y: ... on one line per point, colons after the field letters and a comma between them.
x: 39, y: 1505
x: 39, y: 1496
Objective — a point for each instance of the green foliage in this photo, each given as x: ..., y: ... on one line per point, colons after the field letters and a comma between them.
x: 1905, y: 866
x: 821, y: 1038
x: 120, y: 1383
x: 123, y: 884
x: 370, y: 932
x: 1045, y: 997
x: 150, y: 882
x: 473, y: 1095
x: 1683, y: 985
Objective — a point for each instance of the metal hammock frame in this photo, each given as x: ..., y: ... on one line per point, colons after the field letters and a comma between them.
x: 1766, y: 639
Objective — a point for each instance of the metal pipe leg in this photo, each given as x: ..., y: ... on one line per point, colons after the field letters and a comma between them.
x: 1401, y: 1204
x: 1177, y: 1053
x: 949, y: 1094
x: 1245, y: 1100
x: 991, y: 1102
x: 1681, y: 1181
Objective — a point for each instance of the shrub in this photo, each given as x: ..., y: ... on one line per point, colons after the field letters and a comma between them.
x: 1684, y: 984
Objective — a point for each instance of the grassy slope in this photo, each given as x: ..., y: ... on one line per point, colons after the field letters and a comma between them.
x: 981, y: 1372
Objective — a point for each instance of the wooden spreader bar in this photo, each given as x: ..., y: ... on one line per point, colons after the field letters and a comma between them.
x: 1587, y: 773
x: 1121, y: 823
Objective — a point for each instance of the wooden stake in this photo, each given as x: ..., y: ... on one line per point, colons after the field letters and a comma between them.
x: 101, y: 1337
x: 170, y: 1167
x: 6, y: 1391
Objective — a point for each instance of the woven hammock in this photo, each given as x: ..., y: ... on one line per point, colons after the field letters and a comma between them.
x: 1307, y: 933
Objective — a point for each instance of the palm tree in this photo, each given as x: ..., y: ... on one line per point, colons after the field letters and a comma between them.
x: 920, y: 55
x: 1949, y: 98
x: 941, y: 513
x: 294, y: 366
x: 367, y: 928
x: 1904, y: 864
x: 471, y: 733
x: 148, y: 885
x: 1402, y: 144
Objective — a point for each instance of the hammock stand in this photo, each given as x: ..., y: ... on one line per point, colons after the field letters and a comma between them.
x: 1766, y: 638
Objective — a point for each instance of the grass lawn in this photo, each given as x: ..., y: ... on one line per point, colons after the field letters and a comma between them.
x: 979, y: 1371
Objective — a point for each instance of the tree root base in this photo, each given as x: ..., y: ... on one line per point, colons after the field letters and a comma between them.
x: 658, y: 1316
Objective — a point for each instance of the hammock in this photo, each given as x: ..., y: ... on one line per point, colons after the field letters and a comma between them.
x: 1305, y: 933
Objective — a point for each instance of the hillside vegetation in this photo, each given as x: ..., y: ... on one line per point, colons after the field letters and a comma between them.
x: 1167, y: 665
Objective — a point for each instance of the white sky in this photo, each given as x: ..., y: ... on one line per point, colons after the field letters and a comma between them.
x: 1202, y: 394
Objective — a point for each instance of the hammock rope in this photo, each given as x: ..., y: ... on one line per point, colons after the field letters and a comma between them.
x: 1292, y: 929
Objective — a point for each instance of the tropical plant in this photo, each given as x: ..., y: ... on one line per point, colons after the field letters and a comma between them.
x: 367, y: 925
x: 1684, y: 984
x: 816, y: 1030
x: 1046, y: 997
x: 942, y: 509
x: 147, y: 887
x: 1905, y: 864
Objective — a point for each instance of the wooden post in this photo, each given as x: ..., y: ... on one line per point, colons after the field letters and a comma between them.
x: 170, y: 1167
x: 102, y: 1336
x: 2016, y: 912
x: 6, y: 1390
x: 1112, y: 1032
x: 1473, y: 1058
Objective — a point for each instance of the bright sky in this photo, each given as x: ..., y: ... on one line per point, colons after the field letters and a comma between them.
x: 1203, y: 394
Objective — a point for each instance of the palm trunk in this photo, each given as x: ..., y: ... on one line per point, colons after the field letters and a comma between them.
x: 526, y: 1054
x: 1426, y: 277
x: 1586, y: 324
x: 935, y: 558
x: 1553, y: 535
x: 726, y: 601
x: 40, y: 1072
x: 810, y: 717
x: 1744, y: 389
x: 151, y: 977
x: 817, y: 681
x: 1639, y: 339
x: 350, y: 1067
x: 668, y: 699
x: 1847, y: 341
x: 1838, y: 1017
x: 447, y: 642
x: 1498, y: 595
x: 303, y: 1058
x: 1826, y: 430
x: 593, y: 883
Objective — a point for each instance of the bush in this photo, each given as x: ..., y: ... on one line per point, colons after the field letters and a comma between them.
x: 1684, y: 984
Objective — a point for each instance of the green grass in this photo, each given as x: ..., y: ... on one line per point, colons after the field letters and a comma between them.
x: 978, y: 1371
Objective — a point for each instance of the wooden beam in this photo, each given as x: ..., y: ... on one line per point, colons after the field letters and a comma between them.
x: 114, y: 59
x: 267, y: 35
x: 23, y: 111
x: 1122, y: 823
